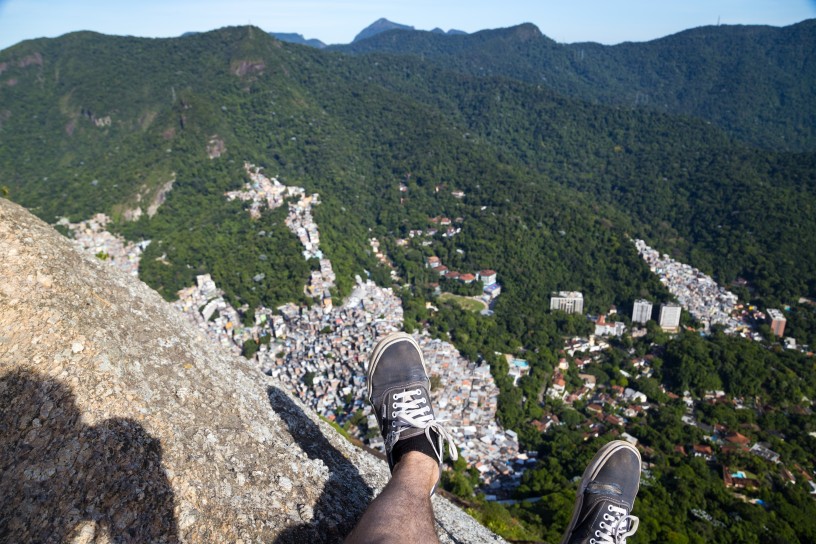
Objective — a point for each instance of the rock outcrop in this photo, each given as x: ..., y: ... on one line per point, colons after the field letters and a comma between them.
x: 120, y: 423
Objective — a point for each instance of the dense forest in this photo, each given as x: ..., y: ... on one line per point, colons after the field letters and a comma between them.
x: 751, y: 81
x: 83, y: 132
x: 552, y: 185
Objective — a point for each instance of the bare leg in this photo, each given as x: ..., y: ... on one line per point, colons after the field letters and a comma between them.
x: 402, y: 512
x: 398, y: 388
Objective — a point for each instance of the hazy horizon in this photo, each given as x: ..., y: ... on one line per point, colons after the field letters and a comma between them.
x: 339, y: 22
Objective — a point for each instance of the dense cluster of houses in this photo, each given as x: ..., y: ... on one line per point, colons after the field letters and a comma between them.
x: 301, y: 222
x: 262, y: 191
x: 204, y: 305
x: 321, y: 356
x: 93, y: 237
x: 467, y: 400
x: 710, y: 303
x: 698, y: 293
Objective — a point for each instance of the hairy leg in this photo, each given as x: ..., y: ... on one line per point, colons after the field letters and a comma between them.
x: 402, y: 512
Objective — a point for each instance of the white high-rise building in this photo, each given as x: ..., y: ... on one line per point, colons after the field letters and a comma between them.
x: 642, y: 311
x: 571, y: 302
x: 670, y: 317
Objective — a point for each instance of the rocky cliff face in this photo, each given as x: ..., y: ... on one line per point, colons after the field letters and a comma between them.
x: 119, y: 423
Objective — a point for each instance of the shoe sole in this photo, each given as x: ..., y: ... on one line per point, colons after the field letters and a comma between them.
x: 384, y: 344
x: 591, y: 472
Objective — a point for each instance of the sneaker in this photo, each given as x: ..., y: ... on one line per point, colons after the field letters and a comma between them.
x: 398, y: 390
x: 606, y: 496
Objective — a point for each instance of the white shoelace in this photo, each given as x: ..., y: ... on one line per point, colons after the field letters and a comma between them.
x: 622, y: 526
x: 410, y: 412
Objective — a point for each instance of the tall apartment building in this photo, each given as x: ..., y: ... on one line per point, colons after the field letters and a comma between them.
x: 571, y: 302
x: 642, y: 311
x: 670, y: 317
x: 777, y: 321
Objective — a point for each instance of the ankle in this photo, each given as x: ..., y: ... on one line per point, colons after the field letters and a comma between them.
x: 420, y: 442
x: 420, y: 468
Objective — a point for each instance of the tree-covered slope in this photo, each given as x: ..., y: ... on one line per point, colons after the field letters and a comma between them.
x: 753, y: 81
x: 94, y: 123
x: 731, y: 210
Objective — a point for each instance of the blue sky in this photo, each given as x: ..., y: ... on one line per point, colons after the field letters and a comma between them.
x: 604, y: 21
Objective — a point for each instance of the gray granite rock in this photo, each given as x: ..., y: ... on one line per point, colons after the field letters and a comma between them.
x: 120, y: 423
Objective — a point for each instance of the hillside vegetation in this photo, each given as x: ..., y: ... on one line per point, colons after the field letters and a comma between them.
x: 752, y: 81
x: 94, y: 123
x: 551, y: 186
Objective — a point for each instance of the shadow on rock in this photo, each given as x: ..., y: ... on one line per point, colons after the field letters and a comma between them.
x: 345, y: 495
x: 64, y: 481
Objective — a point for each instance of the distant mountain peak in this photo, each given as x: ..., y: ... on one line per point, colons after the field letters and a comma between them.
x: 378, y: 26
x: 526, y: 31
x: 384, y: 25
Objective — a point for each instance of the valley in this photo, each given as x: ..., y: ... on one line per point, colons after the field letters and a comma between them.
x: 322, y: 198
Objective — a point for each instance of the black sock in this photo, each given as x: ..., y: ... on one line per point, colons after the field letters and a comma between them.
x: 418, y: 443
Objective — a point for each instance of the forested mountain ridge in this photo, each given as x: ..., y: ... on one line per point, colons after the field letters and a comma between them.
x: 86, y: 131
x: 95, y: 123
x: 753, y: 81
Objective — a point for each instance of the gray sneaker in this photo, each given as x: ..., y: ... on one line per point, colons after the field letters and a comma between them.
x: 606, y: 496
x: 398, y: 390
